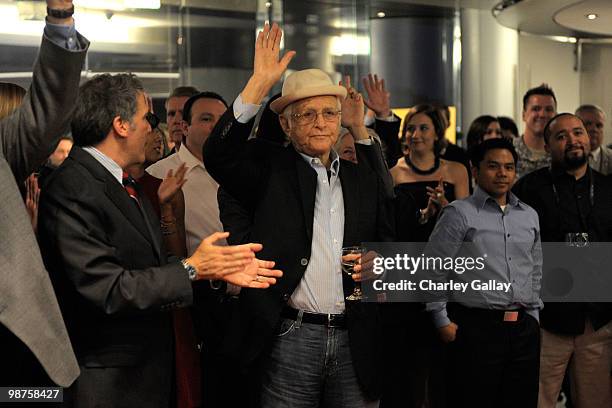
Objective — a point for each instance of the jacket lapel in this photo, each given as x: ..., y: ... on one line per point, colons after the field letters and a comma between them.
x: 114, y: 191
x: 307, y: 186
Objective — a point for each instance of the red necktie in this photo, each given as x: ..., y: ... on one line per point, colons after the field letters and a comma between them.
x: 130, y: 186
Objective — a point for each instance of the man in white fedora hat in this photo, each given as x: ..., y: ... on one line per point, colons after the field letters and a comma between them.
x: 312, y: 346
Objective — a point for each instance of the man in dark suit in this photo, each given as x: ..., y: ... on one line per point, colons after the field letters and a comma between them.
x: 35, y: 346
x: 313, y: 347
x: 102, y: 246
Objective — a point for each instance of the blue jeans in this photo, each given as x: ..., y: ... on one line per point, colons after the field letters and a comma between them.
x: 310, y: 365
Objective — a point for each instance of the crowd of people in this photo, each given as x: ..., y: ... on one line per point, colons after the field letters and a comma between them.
x: 202, y: 267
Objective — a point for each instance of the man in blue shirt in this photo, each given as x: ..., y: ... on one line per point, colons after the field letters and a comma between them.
x: 493, y: 333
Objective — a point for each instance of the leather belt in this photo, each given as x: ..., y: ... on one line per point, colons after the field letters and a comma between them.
x: 329, y: 320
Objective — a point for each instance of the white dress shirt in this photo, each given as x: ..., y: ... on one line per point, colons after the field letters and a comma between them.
x: 200, y: 191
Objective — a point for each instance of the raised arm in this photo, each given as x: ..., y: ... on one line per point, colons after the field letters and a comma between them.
x: 28, y: 135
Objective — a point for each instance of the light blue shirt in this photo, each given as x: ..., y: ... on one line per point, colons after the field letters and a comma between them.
x: 320, y: 289
x: 510, y: 238
x: 63, y: 35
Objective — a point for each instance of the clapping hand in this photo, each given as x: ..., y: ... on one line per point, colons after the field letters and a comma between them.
x: 31, y: 200
x: 171, y: 184
x: 378, y: 99
x: 436, y: 195
x: 235, y: 264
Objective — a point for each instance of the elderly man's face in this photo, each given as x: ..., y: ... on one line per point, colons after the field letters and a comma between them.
x: 594, y: 123
x: 314, y: 139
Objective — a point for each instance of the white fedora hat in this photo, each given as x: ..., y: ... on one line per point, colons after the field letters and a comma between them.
x: 305, y: 84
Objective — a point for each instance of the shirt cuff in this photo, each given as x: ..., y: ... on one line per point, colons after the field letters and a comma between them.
x: 390, y: 118
x: 367, y: 142
x: 244, y: 112
x: 368, y: 120
x: 64, y: 36
x: 440, y: 317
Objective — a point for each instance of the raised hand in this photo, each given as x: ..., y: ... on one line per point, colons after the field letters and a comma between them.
x: 378, y: 99
x: 258, y: 275
x: 437, y: 194
x: 268, y: 67
x: 353, y: 109
x: 171, y: 184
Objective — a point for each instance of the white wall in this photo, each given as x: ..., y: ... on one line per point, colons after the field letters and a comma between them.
x: 596, y: 81
x: 489, y: 64
x: 545, y: 61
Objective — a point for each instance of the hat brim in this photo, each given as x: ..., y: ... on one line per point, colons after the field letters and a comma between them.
x: 279, y: 105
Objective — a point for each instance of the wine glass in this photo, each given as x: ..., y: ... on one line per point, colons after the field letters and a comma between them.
x: 351, y: 256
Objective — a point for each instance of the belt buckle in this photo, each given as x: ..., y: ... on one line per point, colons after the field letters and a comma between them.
x: 330, y: 320
x: 511, y: 316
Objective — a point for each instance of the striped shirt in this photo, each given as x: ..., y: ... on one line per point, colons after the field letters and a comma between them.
x: 320, y: 290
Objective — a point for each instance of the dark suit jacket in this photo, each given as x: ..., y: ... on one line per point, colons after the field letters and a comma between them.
x: 30, y: 318
x: 278, y: 187
x: 113, y: 283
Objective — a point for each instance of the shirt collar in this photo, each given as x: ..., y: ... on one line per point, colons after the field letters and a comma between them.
x: 595, y: 153
x: 314, y: 161
x: 108, y: 163
x: 188, y: 158
x: 481, y: 197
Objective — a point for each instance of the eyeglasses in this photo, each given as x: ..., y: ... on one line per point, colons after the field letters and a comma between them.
x: 308, y: 117
x: 152, y: 119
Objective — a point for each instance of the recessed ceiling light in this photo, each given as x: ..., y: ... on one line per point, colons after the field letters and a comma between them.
x: 381, y: 14
x: 591, y: 16
x: 268, y: 4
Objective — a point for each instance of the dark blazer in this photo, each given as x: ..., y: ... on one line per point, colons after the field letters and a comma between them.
x: 114, y: 285
x: 30, y: 319
x: 278, y: 187
x: 535, y: 189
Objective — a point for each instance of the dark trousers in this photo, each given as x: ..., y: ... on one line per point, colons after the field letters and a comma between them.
x: 493, y: 363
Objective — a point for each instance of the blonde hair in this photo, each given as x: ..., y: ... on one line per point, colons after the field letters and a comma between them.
x: 11, y: 96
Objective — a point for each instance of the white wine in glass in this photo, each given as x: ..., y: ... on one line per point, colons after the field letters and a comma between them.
x: 351, y: 256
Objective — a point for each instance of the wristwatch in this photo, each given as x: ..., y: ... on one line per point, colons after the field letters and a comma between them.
x: 191, y: 271
x: 60, y: 13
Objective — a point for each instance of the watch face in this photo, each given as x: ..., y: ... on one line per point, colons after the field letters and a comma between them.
x: 192, y: 272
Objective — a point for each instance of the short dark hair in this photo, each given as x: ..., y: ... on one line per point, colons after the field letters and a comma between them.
x: 478, y: 129
x: 558, y: 115
x: 437, y: 118
x: 182, y: 91
x: 478, y: 152
x: 100, y: 101
x: 538, y: 90
x: 189, y: 104
x: 506, y: 123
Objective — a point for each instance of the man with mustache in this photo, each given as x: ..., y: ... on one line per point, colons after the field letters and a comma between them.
x: 539, y: 105
x: 572, y: 198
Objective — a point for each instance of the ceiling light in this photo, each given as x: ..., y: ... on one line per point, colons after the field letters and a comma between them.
x: 591, y: 16
x: 381, y: 14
